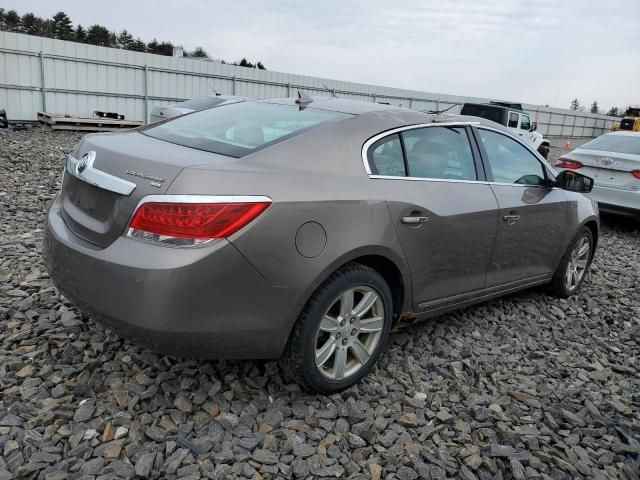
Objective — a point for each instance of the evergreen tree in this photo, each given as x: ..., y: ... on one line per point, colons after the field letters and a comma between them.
x: 125, y: 40
x: 62, y: 27
x: 101, y: 36
x: 613, y: 112
x: 12, y: 21
x: 80, y: 34
x: 32, y: 25
x: 260, y: 66
x: 575, y: 104
x: 594, y: 107
x: 138, y: 45
x: 200, y: 52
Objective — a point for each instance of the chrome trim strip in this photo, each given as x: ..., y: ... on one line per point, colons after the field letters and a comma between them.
x: 452, y: 180
x: 377, y: 137
x: 203, y: 199
x: 84, y: 170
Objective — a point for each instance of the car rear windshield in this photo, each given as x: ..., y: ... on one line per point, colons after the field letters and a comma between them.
x: 201, y: 103
x: 240, y: 128
x: 482, y: 111
x: 615, y: 143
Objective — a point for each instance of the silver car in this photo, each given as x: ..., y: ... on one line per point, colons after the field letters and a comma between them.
x: 613, y: 161
x: 306, y: 230
x: 199, y: 103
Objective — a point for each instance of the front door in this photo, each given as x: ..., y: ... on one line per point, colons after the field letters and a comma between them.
x: 446, y: 220
x: 532, y: 214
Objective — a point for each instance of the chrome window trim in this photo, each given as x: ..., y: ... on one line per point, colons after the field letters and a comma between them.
x: 97, y: 177
x: 375, y: 138
x: 449, y: 180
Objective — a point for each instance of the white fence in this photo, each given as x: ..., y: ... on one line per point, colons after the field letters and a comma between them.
x: 43, y: 74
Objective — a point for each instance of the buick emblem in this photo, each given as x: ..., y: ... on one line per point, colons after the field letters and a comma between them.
x: 85, y: 161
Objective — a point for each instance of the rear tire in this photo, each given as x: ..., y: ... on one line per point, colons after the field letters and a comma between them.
x: 574, y: 265
x: 341, y: 331
x: 544, y: 151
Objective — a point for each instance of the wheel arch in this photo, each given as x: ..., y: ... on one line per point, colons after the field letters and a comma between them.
x: 387, y: 263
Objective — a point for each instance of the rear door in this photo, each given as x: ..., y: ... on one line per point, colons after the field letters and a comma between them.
x: 532, y: 214
x: 444, y: 213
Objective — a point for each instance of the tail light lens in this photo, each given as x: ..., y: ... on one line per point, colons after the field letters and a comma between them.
x: 191, y: 224
x: 636, y: 173
x: 570, y: 164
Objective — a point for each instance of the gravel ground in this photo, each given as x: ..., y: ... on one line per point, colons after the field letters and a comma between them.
x: 526, y: 387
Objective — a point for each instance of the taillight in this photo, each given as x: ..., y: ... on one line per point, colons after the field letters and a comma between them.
x: 188, y: 224
x: 635, y: 173
x: 570, y: 164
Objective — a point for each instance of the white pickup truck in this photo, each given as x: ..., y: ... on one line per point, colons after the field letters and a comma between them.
x: 512, y: 116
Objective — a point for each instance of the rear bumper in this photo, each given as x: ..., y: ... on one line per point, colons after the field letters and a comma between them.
x: 613, y: 199
x: 202, y: 302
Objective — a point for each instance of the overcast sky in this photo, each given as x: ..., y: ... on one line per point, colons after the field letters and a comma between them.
x: 534, y: 51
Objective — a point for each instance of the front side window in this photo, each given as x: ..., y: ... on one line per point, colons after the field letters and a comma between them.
x: 513, y: 120
x: 439, y: 152
x: 239, y: 129
x: 511, y: 162
x: 525, y: 122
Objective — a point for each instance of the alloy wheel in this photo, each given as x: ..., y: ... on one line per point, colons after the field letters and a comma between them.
x: 578, y: 262
x: 349, y: 332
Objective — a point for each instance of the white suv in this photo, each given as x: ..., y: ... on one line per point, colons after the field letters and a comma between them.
x: 513, y: 117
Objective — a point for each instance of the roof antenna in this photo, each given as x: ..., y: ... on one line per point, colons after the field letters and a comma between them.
x: 331, y: 91
x: 303, y: 100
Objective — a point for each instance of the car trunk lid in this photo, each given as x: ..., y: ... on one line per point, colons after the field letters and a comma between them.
x: 99, y: 211
x: 608, y: 169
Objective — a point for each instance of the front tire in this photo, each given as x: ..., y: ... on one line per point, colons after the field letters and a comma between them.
x: 341, y: 331
x: 573, y: 267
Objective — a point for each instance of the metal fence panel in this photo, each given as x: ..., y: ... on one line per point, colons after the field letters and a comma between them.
x: 39, y: 73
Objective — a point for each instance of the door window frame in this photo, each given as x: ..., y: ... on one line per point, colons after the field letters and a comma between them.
x: 549, y: 172
x: 520, y: 122
x: 466, y: 126
x: 509, y: 119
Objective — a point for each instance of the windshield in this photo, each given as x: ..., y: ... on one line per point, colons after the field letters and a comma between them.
x: 615, y: 143
x: 240, y: 128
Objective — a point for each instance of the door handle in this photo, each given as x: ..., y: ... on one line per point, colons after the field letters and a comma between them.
x: 414, y: 220
x: 511, y: 219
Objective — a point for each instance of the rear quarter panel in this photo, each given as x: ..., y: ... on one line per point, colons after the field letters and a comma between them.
x: 317, y: 176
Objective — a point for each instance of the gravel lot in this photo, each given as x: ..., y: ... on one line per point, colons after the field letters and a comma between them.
x: 526, y: 387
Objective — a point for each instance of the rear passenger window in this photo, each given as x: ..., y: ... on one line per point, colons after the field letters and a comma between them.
x: 385, y: 157
x: 439, y: 152
x: 513, y: 120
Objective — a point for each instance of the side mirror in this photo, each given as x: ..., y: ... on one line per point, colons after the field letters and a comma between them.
x: 534, y: 126
x: 574, y: 182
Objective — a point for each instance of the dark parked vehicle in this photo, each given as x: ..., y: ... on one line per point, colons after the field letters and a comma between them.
x: 306, y: 231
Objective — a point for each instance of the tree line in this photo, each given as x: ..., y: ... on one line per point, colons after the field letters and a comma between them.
x: 595, y: 108
x: 61, y: 27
